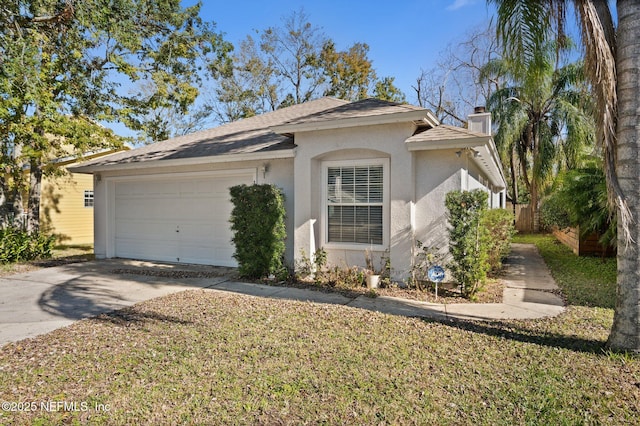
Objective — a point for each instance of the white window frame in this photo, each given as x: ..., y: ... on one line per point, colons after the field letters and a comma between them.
x: 384, y: 162
x: 92, y: 197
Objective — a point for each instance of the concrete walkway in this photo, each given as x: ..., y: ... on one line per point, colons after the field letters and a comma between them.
x: 38, y: 302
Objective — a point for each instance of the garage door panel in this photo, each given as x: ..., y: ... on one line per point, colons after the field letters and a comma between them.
x: 148, y: 209
x: 202, y: 254
x: 137, y: 249
x: 199, y: 208
x: 149, y: 212
x: 145, y: 230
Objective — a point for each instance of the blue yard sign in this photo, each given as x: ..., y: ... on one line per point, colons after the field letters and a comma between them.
x: 436, y: 274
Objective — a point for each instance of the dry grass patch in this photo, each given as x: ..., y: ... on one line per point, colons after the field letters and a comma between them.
x: 208, y: 357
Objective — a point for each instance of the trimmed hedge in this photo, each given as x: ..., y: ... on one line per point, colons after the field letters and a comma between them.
x: 257, y: 220
x: 470, y: 264
x: 479, y: 238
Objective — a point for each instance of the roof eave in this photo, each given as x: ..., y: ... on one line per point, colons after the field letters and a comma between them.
x: 251, y: 156
x: 463, y: 142
x: 488, y: 159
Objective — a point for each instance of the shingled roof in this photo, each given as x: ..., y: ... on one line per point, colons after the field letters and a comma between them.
x: 360, y: 113
x: 359, y: 109
x: 250, y: 135
x: 447, y: 133
x: 267, y: 135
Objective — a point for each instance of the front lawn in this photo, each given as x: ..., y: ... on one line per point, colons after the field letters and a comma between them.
x: 205, y: 357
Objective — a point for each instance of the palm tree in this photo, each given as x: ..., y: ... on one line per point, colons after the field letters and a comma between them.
x: 544, y: 117
x: 612, y: 60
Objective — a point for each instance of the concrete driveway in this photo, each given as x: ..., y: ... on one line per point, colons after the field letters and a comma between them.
x: 40, y: 301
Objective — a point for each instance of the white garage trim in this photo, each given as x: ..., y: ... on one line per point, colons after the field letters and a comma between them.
x: 178, y: 219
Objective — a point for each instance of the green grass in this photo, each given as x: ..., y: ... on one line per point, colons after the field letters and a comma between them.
x: 584, y: 280
x: 204, y: 357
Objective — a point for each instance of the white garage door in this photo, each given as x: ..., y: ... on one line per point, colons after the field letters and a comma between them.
x: 184, y: 219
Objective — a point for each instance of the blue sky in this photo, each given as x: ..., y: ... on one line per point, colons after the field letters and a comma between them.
x: 404, y: 36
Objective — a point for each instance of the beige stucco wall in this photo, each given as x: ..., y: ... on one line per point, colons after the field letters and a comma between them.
x: 370, y: 142
x: 437, y: 173
x: 278, y: 172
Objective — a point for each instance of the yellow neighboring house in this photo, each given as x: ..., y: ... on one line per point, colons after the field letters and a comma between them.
x: 66, y: 204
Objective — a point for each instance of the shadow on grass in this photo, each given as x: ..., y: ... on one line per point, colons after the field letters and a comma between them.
x: 525, y: 335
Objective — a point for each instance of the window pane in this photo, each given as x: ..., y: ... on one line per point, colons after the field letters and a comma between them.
x: 375, y: 193
x: 362, y: 225
x: 347, y: 176
x: 375, y: 224
x: 334, y: 184
x: 351, y: 218
x: 375, y: 174
x: 88, y: 198
x: 335, y: 222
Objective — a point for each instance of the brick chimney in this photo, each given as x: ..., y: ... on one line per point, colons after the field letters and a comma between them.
x: 480, y: 121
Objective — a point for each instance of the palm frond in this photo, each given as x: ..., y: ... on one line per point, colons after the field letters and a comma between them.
x: 598, y: 36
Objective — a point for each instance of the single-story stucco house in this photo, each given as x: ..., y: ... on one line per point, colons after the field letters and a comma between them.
x: 358, y: 175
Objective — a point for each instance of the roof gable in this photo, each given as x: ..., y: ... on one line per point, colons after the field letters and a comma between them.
x: 359, y: 113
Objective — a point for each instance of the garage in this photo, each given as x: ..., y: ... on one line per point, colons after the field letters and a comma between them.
x: 182, y: 218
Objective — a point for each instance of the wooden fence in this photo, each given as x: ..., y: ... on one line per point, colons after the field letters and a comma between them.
x: 587, y: 246
x: 523, y: 218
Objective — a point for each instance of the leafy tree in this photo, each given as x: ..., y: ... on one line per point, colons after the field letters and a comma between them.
x: 350, y: 73
x: 62, y: 65
x: 249, y: 87
x: 295, y: 63
x: 544, y: 117
x: 612, y: 59
x: 387, y: 91
x: 579, y: 199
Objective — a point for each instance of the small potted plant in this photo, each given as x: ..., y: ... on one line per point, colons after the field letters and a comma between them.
x: 372, y: 277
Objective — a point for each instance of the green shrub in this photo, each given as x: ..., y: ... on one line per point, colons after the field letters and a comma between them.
x: 257, y: 220
x: 554, y: 213
x: 581, y: 201
x: 469, y: 265
x: 17, y: 245
x: 500, y: 231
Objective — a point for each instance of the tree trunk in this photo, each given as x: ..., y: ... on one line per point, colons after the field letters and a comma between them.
x: 35, y: 183
x: 535, y: 211
x: 514, y: 181
x: 625, y: 333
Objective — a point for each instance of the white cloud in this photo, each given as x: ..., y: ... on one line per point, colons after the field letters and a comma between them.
x: 458, y: 4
